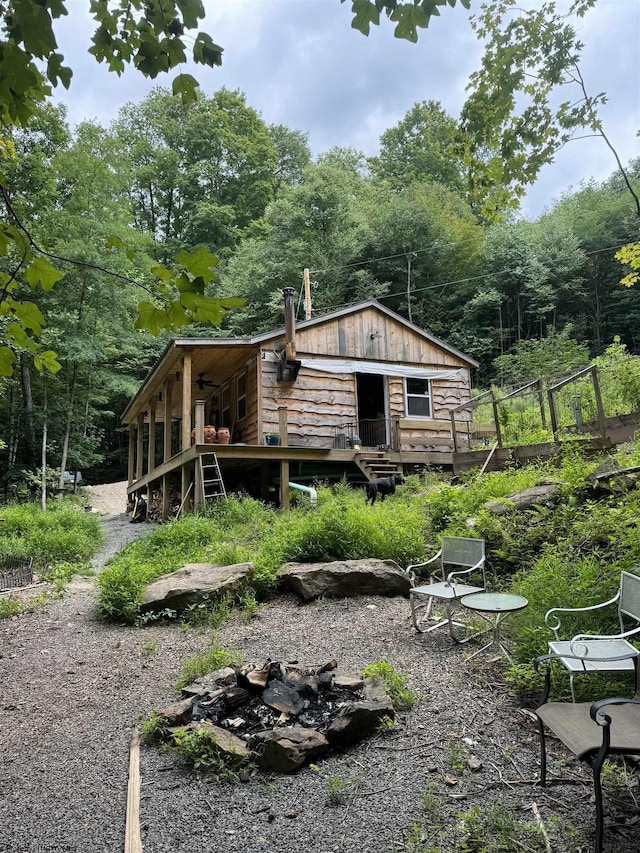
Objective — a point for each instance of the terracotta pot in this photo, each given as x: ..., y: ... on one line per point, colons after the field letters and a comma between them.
x: 209, y: 434
x: 224, y: 436
x: 193, y: 436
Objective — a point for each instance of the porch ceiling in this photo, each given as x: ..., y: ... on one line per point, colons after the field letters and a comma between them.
x: 216, y: 360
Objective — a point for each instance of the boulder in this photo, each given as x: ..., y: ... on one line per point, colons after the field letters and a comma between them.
x: 211, y: 682
x: 356, y: 720
x: 194, y: 583
x: 179, y: 712
x: 525, y: 499
x: 345, y: 578
x: 286, y: 749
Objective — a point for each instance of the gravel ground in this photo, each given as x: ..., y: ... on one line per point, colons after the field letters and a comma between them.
x: 72, y: 689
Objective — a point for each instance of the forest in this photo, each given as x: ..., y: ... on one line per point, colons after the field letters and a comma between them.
x: 171, y: 183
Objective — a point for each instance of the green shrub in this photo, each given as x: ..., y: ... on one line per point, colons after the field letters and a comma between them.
x: 9, y: 608
x: 61, y: 534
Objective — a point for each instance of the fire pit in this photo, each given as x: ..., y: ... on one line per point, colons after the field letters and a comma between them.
x: 280, y: 715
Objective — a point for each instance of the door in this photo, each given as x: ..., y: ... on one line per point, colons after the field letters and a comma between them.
x: 372, y: 408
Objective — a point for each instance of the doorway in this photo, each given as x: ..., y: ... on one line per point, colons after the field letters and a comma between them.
x: 372, y: 407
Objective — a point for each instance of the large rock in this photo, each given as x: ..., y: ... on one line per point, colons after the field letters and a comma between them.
x: 356, y: 720
x: 523, y: 500
x: 345, y: 578
x: 230, y: 748
x: 285, y: 750
x: 194, y: 583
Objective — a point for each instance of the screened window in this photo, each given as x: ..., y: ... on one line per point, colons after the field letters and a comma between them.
x: 418, y: 398
x: 241, y: 396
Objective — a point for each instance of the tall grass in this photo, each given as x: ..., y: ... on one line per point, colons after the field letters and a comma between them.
x: 61, y: 534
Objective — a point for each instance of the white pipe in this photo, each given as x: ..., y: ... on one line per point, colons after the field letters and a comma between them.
x: 309, y: 490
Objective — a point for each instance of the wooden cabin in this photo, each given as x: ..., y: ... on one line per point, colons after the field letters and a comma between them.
x: 357, y: 392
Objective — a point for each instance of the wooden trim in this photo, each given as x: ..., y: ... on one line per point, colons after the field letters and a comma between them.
x: 139, y: 440
x: 132, y: 452
x: 151, y: 447
x: 166, y: 396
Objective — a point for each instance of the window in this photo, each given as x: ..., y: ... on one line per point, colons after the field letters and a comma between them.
x: 241, y: 396
x: 418, y: 398
x: 225, y: 407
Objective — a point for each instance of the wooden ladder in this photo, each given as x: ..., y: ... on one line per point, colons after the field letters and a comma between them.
x: 211, y: 482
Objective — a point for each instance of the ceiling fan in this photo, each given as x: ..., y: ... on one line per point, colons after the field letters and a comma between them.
x: 203, y: 383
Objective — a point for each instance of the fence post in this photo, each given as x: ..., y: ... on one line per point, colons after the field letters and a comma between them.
x: 599, y: 406
x: 494, y: 403
x: 552, y: 415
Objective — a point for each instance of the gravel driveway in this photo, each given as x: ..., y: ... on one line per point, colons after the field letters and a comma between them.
x: 72, y: 689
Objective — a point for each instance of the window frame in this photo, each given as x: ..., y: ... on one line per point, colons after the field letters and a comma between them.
x: 409, y: 396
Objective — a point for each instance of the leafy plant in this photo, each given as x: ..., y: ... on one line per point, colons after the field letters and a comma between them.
x: 199, y: 748
x: 396, y: 684
x: 9, y: 608
x: 212, y: 658
x: 154, y: 728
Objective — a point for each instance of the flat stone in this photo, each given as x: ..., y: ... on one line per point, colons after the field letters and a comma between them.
x: 193, y: 584
x: 229, y: 746
x: 286, y: 749
x: 283, y: 698
x: 178, y: 712
x: 523, y: 500
x: 352, y: 683
x: 345, y: 579
x: 356, y: 720
x: 210, y: 682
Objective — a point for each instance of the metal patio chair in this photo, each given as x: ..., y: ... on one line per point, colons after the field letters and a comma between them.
x: 457, y: 558
x: 591, y: 731
x: 604, y: 653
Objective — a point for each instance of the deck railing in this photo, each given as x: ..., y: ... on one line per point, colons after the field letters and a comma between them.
x: 367, y: 432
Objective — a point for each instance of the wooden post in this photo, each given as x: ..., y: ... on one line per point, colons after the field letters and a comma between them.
x: 283, y: 426
x: 186, y: 487
x: 132, y: 451
x: 186, y: 400
x: 284, y: 483
x: 199, y: 421
x: 543, y: 416
x: 552, y: 415
x: 151, y: 449
x: 264, y: 481
x: 307, y: 295
x: 454, y: 434
x: 599, y: 406
x: 496, y: 420
x: 166, y: 496
x: 166, y: 396
x: 132, y: 841
x: 139, y: 438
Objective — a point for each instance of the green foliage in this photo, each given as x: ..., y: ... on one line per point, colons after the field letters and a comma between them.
x: 228, y: 533
x: 395, y: 683
x: 619, y: 376
x: 199, y: 749
x: 153, y: 728
x: 61, y: 535
x: 342, y: 527
x: 212, y: 658
x: 9, y: 608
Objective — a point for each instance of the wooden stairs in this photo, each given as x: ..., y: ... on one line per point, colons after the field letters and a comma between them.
x: 374, y: 464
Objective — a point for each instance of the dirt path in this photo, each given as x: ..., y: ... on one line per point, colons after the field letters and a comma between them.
x: 72, y: 689
x: 110, y: 501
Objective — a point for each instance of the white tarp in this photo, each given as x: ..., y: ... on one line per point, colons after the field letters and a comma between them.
x: 346, y: 365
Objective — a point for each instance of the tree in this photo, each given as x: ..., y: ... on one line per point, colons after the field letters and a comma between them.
x: 294, y: 154
x: 153, y: 38
x: 420, y: 147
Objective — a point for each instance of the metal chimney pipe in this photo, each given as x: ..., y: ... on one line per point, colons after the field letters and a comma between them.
x: 289, y: 322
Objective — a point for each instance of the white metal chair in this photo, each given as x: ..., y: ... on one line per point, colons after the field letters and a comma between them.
x: 457, y: 557
x: 603, y: 653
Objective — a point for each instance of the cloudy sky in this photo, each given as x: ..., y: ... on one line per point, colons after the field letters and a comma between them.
x: 301, y: 64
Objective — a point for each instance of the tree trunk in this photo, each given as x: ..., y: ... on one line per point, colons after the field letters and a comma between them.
x: 67, y: 431
x: 43, y: 466
x: 27, y: 403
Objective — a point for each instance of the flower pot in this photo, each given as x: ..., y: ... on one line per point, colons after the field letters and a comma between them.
x: 209, y: 434
x: 272, y: 439
x: 224, y: 436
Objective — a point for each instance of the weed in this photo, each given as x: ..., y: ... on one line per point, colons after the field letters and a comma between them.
x: 212, y: 612
x: 431, y: 803
x: 215, y: 657
x: 396, y: 684
x: 199, y: 748
x: 249, y: 604
x: 9, y: 608
x: 386, y: 725
x: 150, y: 646
x: 155, y: 616
x: 154, y: 728
x: 456, y: 755
x: 336, y: 789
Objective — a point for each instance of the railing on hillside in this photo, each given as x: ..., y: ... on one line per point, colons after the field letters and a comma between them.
x: 541, y: 411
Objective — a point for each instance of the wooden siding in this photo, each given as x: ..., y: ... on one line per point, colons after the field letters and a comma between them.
x: 316, y: 404
x: 372, y: 335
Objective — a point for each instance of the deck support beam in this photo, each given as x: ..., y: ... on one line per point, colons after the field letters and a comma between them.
x: 132, y: 451
x: 139, y: 446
